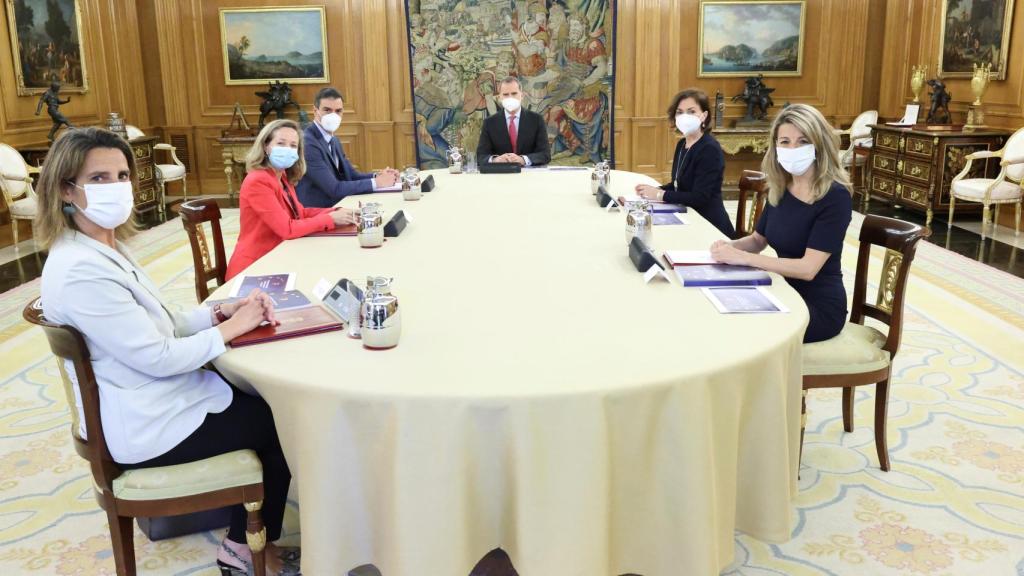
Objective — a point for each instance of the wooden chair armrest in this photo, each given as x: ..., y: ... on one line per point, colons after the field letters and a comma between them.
x: 1008, y: 161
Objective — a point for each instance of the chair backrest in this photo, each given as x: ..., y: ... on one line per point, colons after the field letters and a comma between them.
x: 133, y: 132
x: 1013, y: 149
x: 900, y: 240
x: 859, y: 130
x: 67, y: 343
x: 753, y: 188
x: 13, y: 174
x: 193, y: 214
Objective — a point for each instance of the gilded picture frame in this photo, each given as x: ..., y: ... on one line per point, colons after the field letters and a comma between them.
x: 775, y: 26
x: 971, y: 37
x: 287, y: 44
x: 47, y: 47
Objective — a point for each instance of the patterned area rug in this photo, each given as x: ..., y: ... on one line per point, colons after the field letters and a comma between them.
x: 952, y: 504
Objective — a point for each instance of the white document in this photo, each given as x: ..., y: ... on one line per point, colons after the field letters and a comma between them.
x: 688, y: 257
x: 909, y: 116
x: 744, y: 300
x: 321, y: 288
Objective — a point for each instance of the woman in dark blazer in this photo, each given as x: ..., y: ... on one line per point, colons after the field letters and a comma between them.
x: 698, y: 165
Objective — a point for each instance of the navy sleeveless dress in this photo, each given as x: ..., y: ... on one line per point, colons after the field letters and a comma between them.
x: 794, y: 226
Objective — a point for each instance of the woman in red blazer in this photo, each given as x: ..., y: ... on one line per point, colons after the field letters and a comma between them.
x: 270, y: 210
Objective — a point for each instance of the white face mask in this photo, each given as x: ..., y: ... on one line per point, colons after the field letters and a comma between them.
x: 510, y: 104
x: 330, y: 122
x: 688, y: 123
x: 796, y: 161
x: 108, y: 205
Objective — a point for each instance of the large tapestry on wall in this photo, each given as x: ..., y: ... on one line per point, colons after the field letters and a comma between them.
x: 562, y: 51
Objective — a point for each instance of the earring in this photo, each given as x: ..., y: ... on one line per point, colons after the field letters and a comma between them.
x: 68, y: 208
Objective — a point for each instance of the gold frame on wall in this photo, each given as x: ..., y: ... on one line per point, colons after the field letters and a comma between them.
x: 1004, y: 46
x: 19, y: 74
x: 321, y: 9
x: 739, y: 74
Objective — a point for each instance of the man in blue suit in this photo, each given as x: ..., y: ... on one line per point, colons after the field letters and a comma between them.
x: 329, y: 175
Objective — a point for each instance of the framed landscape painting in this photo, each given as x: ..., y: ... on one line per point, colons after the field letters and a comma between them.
x: 974, y: 32
x: 739, y: 38
x: 265, y: 44
x: 46, y: 42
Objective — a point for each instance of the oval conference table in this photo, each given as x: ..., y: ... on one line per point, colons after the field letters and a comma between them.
x: 542, y: 399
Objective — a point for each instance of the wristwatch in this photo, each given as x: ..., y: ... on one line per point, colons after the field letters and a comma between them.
x: 219, y: 314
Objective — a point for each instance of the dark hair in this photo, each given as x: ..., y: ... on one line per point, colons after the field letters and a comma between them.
x: 330, y: 93
x: 700, y: 98
x: 510, y: 80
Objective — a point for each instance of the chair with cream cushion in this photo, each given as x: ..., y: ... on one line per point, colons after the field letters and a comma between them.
x: 1006, y: 188
x: 859, y: 133
x: 16, y: 185
x: 164, y: 172
x: 223, y: 480
x: 861, y: 354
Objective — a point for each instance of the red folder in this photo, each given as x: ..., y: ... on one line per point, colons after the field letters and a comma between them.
x: 347, y: 230
x: 301, y: 322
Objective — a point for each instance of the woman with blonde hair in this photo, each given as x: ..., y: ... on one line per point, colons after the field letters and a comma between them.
x: 159, y: 406
x: 270, y: 209
x: 808, y: 211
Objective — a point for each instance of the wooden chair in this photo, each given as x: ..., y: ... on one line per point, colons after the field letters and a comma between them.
x: 224, y: 480
x: 1006, y: 188
x: 16, y: 187
x: 193, y: 214
x: 861, y: 354
x: 753, y: 188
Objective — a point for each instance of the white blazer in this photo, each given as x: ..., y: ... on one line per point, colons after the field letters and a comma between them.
x: 147, y: 360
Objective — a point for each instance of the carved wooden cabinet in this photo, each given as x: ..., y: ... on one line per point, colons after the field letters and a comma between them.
x: 147, y: 195
x: 913, y: 167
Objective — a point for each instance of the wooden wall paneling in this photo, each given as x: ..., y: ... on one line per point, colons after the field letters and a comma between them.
x: 402, y: 117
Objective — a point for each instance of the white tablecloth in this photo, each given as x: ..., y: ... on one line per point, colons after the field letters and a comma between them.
x: 542, y: 398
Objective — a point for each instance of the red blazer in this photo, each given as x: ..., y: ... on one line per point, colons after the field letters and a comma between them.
x: 267, y: 219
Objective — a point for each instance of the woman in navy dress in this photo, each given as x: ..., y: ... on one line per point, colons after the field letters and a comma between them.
x: 698, y: 164
x: 808, y: 211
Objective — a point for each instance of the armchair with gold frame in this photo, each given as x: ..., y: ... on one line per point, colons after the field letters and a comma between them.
x: 16, y: 186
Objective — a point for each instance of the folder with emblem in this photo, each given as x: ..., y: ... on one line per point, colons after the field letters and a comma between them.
x: 293, y: 323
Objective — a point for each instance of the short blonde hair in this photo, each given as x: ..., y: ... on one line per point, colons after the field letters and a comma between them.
x: 257, y: 156
x: 62, y: 165
x: 827, y: 167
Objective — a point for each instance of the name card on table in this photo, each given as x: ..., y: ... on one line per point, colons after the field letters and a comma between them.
x: 645, y: 261
x: 605, y: 200
x: 395, y: 226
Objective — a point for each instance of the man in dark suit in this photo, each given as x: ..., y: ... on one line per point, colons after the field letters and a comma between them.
x: 514, y: 134
x: 329, y: 175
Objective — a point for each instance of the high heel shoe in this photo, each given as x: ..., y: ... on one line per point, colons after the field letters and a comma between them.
x: 290, y: 557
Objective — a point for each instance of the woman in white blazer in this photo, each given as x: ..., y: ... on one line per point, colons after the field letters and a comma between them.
x: 158, y: 405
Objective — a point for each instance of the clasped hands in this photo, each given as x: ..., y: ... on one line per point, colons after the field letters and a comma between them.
x: 510, y: 158
x: 723, y: 251
x: 249, y: 312
x: 386, y: 177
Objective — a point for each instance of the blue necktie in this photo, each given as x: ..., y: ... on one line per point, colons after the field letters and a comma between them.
x: 335, y: 154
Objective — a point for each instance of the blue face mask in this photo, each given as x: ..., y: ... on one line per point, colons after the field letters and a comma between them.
x: 283, y: 157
